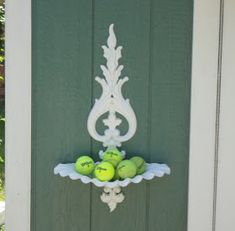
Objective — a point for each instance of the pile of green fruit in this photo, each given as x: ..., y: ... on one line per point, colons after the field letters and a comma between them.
x: 112, y: 167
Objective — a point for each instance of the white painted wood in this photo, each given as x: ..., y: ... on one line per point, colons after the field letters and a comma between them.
x: 203, y: 114
x: 225, y: 209
x: 18, y: 114
x: 112, y: 197
x: 111, y: 99
x: 152, y: 170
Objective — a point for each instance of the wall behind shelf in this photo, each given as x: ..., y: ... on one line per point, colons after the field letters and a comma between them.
x: 66, y: 53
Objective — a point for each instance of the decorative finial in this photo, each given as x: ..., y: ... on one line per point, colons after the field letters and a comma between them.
x: 112, y: 100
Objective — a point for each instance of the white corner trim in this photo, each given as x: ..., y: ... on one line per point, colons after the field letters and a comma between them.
x: 18, y: 115
x: 203, y: 114
x: 225, y: 201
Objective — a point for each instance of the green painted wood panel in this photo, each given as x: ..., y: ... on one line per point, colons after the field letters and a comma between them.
x: 67, y: 39
x: 170, y: 102
x: 61, y: 96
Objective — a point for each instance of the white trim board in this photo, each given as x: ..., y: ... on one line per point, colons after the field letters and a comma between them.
x: 203, y: 114
x: 225, y: 200
x: 18, y: 115
x: 211, y: 203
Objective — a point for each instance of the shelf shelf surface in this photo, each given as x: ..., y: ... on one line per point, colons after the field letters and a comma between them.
x: 152, y: 170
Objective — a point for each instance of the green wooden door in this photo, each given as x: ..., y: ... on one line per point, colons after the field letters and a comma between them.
x: 67, y: 38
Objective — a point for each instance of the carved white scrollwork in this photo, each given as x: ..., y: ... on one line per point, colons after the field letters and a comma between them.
x: 113, y: 103
x: 112, y: 196
x: 111, y: 100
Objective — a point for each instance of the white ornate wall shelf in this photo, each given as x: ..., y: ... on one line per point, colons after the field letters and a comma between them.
x: 112, y: 102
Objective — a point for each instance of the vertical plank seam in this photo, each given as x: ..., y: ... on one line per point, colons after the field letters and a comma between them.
x: 189, y: 113
x: 217, y: 121
x: 92, y: 93
x: 33, y: 128
x: 149, y: 116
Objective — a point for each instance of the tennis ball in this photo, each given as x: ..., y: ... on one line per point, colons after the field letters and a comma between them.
x: 140, y: 164
x: 113, y: 162
x: 112, y: 156
x: 126, y: 169
x: 104, y: 171
x: 93, y: 172
x: 116, y: 176
x: 84, y: 165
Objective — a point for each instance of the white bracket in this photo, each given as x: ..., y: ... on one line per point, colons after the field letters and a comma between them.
x: 111, y: 99
x: 112, y: 102
x: 112, y: 196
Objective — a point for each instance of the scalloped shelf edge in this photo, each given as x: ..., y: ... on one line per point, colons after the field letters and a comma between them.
x: 153, y: 170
